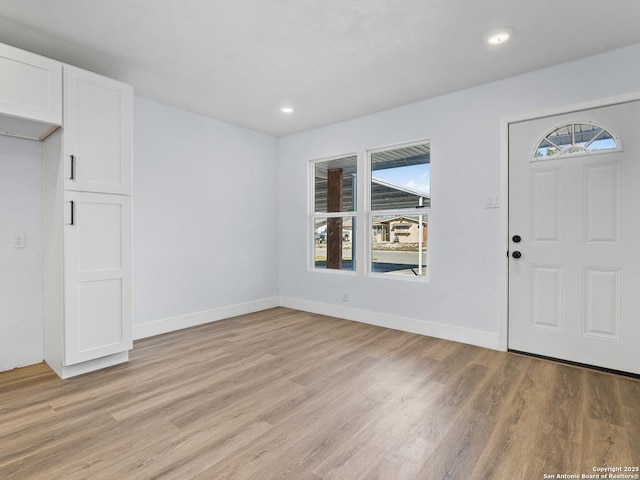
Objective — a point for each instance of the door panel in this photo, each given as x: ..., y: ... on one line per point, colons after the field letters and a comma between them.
x: 602, y: 302
x: 100, y: 248
x: 546, y: 299
x: 99, y: 303
x: 546, y: 206
x: 603, y: 203
x: 97, y: 248
x: 573, y: 292
x: 98, y: 133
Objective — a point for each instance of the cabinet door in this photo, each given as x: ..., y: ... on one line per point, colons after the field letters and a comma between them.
x: 98, y: 123
x: 97, y: 264
x: 30, y: 86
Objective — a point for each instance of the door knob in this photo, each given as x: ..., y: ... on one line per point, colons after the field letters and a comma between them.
x: 516, y: 239
x: 516, y: 254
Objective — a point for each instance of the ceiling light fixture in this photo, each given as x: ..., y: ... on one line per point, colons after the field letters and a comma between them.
x: 286, y: 109
x: 500, y: 36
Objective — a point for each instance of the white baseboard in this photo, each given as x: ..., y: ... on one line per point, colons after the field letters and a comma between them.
x: 171, y: 324
x: 432, y: 329
x: 88, y: 366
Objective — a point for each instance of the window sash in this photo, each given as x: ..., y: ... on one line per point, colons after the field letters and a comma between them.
x: 319, y: 258
x: 395, y: 256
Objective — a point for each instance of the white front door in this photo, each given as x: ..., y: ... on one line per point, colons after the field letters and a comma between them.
x: 574, y: 271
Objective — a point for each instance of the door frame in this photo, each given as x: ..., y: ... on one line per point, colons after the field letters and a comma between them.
x: 505, y: 121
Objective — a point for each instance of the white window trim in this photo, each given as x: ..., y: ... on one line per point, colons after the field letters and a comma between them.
x: 362, y: 217
x: 368, y: 215
x: 312, y: 215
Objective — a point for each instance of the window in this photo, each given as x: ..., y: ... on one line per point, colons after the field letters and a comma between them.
x: 575, y: 139
x: 400, y: 201
x: 334, y: 213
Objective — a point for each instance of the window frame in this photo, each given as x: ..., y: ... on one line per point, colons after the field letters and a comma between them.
x: 313, y: 215
x: 583, y: 152
x: 369, y: 215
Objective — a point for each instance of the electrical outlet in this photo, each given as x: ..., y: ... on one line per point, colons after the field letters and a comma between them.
x: 18, y: 240
x: 492, y: 201
x: 345, y: 296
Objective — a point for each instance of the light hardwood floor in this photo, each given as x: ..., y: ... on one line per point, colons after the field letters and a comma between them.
x: 283, y: 394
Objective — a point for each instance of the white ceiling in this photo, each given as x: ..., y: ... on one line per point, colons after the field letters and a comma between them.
x: 241, y: 60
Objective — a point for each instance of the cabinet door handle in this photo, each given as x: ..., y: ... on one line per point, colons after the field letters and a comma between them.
x: 73, y: 168
x: 72, y: 212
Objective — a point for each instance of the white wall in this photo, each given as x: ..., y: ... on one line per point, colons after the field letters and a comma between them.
x: 205, y: 228
x: 205, y: 219
x: 463, y: 298
x: 21, y: 328
x: 220, y: 213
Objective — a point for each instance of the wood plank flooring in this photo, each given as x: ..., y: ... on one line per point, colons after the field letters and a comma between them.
x: 283, y: 394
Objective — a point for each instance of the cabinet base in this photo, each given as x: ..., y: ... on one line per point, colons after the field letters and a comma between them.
x: 69, y: 371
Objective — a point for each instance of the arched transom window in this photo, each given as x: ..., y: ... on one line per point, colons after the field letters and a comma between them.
x: 576, y: 139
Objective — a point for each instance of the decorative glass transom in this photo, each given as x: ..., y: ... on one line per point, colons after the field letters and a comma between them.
x: 576, y: 138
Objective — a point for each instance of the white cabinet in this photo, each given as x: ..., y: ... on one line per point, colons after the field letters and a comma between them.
x: 87, y: 203
x: 97, y: 276
x: 98, y: 132
x: 87, y: 271
x: 30, y: 93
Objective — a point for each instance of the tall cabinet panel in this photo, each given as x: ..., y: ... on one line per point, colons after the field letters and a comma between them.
x: 88, y: 177
x: 98, y: 124
x: 97, y: 280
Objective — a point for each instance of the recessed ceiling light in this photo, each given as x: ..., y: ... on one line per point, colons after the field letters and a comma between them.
x: 286, y: 109
x: 500, y: 36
